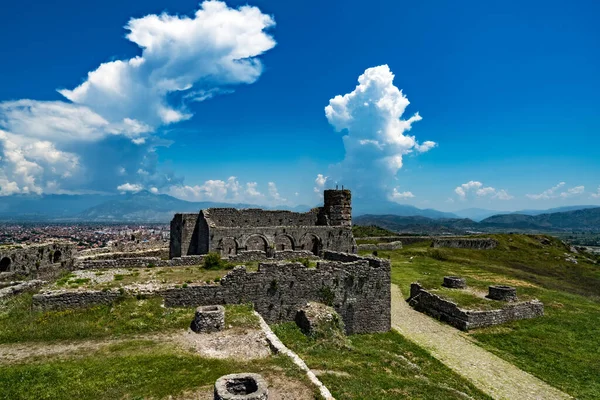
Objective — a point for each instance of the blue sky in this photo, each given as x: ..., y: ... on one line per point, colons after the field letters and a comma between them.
x: 507, y: 92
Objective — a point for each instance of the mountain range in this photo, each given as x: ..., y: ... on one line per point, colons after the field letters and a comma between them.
x: 159, y: 208
x: 587, y: 219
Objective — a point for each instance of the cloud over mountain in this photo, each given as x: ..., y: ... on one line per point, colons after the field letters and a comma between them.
x: 375, y: 136
x: 49, y: 146
x: 480, y: 190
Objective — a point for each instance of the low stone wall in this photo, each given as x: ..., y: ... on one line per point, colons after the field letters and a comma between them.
x: 449, y: 312
x: 14, y: 288
x: 465, y: 243
x: 381, y: 246
x: 258, y: 255
x: 357, y: 287
x: 359, y: 292
x: 141, y: 262
x: 60, y: 300
x: 162, y: 253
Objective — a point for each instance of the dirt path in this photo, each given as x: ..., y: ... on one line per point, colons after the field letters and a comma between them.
x: 239, y: 344
x: 492, y: 375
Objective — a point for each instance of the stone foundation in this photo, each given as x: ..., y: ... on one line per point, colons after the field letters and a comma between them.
x: 465, y: 243
x: 244, y: 386
x: 381, y: 246
x: 208, y: 319
x: 449, y: 312
x: 502, y: 293
x: 454, y: 282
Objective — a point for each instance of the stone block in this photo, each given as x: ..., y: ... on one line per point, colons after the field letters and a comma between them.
x: 245, y: 386
x: 208, y: 319
x: 454, y: 282
x: 502, y: 293
x: 316, y: 319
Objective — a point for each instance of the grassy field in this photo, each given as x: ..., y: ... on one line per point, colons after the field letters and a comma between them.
x: 560, y: 348
x: 377, y: 366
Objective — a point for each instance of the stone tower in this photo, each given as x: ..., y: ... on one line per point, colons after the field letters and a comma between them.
x: 337, y: 206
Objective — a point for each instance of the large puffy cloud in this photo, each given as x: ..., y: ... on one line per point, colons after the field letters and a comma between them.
x: 183, y: 59
x: 555, y: 192
x: 376, y: 140
x: 480, y: 190
x: 229, y: 191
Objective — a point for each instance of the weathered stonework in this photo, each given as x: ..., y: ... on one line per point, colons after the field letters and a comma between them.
x: 14, y: 288
x: 36, y: 260
x: 229, y: 231
x: 449, y: 312
x: 208, y: 319
x: 380, y: 246
x: 454, y: 282
x: 140, y: 262
x: 316, y: 318
x: 243, y: 386
x: 502, y: 293
x: 465, y: 243
x: 358, y: 288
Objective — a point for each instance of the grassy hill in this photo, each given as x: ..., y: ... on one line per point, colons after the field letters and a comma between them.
x: 560, y: 348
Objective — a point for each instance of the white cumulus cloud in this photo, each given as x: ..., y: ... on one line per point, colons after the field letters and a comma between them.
x: 597, y: 194
x: 480, y: 190
x: 398, y: 196
x: 376, y: 138
x: 182, y: 59
x: 555, y: 192
x: 129, y: 187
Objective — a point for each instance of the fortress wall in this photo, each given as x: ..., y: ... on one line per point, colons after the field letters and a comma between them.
x: 449, y: 312
x: 465, y: 243
x: 336, y: 238
x: 36, y: 260
x: 231, y: 217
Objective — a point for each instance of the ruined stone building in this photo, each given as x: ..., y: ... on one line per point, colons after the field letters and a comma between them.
x: 229, y: 231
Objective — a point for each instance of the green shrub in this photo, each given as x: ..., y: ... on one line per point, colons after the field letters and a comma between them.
x: 214, y: 261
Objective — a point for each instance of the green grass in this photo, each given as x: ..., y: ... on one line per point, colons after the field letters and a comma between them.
x: 378, y: 366
x: 20, y: 323
x: 131, y: 370
x: 560, y: 348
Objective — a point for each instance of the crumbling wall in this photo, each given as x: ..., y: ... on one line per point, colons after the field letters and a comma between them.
x: 141, y: 262
x: 465, y: 243
x: 311, y: 238
x: 380, y: 246
x: 65, y: 299
x: 449, y: 312
x: 184, y: 238
x: 359, y: 292
x: 36, y: 260
x: 256, y: 217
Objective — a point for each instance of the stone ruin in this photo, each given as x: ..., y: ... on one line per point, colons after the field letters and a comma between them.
x: 208, y: 319
x: 244, y: 386
x: 231, y: 232
x: 39, y: 261
x: 465, y: 243
x: 447, y: 311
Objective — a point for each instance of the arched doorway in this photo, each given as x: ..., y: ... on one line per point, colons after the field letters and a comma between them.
x: 5, y: 264
x: 256, y: 242
x: 228, y: 246
x: 311, y: 243
x: 284, y: 242
x: 57, y: 256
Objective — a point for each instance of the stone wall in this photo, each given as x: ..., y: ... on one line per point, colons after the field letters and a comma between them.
x: 14, y: 288
x: 256, y: 217
x: 36, y: 260
x: 184, y: 239
x: 465, y: 243
x: 141, y: 262
x: 160, y: 253
x: 230, y: 241
x: 449, y: 312
x: 359, y: 291
x: 65, y: 299
x: 380, y: 246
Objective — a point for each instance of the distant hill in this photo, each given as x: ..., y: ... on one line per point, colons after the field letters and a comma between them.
x: 363, y: 207
x: 417, y: 224
x: 586, y: 219
x: 552, y: 210
x: 478, y: 214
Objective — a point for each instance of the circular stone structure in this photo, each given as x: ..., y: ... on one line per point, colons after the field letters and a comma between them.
x: 503, y: 293
x: 244, y: 386
x: 454, y: 282
x: 208, y: 319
